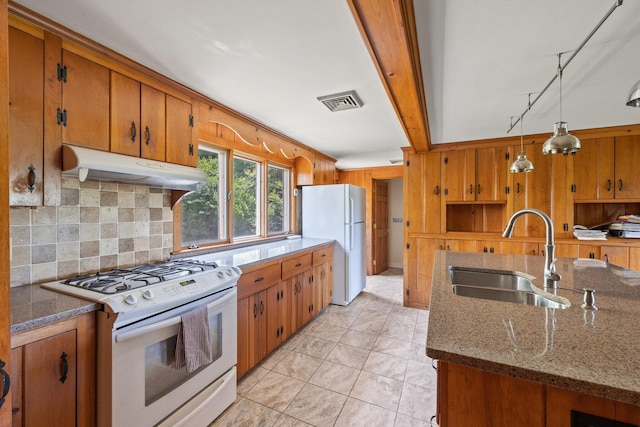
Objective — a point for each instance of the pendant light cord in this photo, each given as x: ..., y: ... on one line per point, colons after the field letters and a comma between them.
x: 560, y: 84
x: 561, y: 68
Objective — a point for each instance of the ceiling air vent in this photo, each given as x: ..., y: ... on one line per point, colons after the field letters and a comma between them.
x: 341, y: 101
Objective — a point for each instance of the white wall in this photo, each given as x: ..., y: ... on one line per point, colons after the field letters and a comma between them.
x: 395, y: 228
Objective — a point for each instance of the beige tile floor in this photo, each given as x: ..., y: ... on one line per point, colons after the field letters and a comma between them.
x: 360, y: 365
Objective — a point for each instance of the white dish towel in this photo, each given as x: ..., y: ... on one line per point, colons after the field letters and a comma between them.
x: 193, y: 348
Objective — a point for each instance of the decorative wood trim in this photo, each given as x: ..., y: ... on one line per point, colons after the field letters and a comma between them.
x: 388, y: 29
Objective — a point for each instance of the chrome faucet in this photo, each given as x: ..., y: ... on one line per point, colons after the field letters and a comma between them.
x: 550, y: 248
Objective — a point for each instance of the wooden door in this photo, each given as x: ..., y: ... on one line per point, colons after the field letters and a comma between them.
x: 538, y: 193
x: 50, y: 381
x: 634, y: 259
x: 245, y: 316
x: 455, y: 173
x: 26, y: 113
x: 594, y: 178
x: 380, y: 248
x: 85, y: 100
x: 419, y: 292
x: 432, y: 194
x: 561, y: 212
x: 295, y: 300
x: 491, y: 173
x: 5, y: 317
x: 152, y: 123
x: 616, y: 255
x: 125, y: 115
x: 17, y: 378
x: 180, y: 144
x: 257, y: 337
x: 277, y: 301
x: 627, y: 181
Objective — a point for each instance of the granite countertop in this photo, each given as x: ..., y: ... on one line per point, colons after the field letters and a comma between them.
x: 33, y: 306
x: 593, y: 352
x: 256, y: 254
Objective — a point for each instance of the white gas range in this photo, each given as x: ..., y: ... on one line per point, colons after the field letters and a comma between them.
x: 138, y: 382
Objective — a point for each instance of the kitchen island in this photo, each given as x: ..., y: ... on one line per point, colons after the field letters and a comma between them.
x: 590, y: 355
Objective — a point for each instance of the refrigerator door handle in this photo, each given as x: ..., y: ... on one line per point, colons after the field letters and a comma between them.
x: 352, y: 207
x: 352, y: 230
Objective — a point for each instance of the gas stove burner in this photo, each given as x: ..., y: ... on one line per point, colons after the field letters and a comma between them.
x: 124, y: 279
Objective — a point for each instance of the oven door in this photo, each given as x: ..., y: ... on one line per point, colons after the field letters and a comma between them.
x: 146, y: 386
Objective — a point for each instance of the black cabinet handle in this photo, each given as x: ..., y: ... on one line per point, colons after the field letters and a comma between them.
x: 298, y: 265
x: 6, y: 383
x: 518, y: 188
x: 147, y: 132
x: 606, y: 258
x: 261, y: 307
x: 255, y: 310
x: 619, y: 185
x: 478, y: 189
x: 134, y: 131
x: 608, y: 185
x: 65, y: 367
x: 31, y: 178
x: 437, y: 190
x: 259, y: 279
x: 471, y: 189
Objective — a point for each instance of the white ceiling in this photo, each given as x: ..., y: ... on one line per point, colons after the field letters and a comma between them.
x: 270, y: 60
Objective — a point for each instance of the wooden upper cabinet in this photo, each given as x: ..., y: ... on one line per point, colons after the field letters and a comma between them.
x: 627, y: 172
x: 26, y: 112
x: 137, y: 118
x: 152, y: 123
x: 181, y: 138
x: 608, y: 169
x: 479, y: 174
x: 125, y: 115
x: 85, y: 102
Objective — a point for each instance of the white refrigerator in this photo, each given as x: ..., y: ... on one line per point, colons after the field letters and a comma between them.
x: 338, y: 212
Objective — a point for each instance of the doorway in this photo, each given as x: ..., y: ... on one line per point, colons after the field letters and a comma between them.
x: 387, y: 232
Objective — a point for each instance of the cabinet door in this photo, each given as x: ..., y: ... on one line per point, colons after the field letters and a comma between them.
x: 26, y: 113
x: 244, y: 318
x: 420, y: 293
x: 567, y: 250
x: 538, y: 194
x: 458, y: 178
x: 627, y: 153
x: 326, y: 284
x: 491, y: 173
x: 180, y: 146
x: 152, y: 123
x: 125, y: 115
x: 594, y: 179
x: 85, y: 99
x: 257, y: 336
x: 616, y: 255
x: 278, y: 306
x: 16, y: 375
x: 50, y: 381
x: 589, y: 251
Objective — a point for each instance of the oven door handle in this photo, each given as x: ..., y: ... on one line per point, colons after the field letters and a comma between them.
x: 125, y: 336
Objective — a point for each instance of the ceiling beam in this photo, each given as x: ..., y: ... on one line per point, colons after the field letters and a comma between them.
x: 388, y: 28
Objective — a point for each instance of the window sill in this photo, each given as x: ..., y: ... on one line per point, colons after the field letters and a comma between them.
x: 224, y: 247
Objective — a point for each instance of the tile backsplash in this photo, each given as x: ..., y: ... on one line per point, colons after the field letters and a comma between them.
x: 98, y: 226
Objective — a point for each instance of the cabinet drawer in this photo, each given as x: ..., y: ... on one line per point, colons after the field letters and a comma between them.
x: 294, y: 266
x: 322, y: 255
x: 256, y: 281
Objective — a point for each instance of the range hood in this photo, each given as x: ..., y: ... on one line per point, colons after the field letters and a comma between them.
x: 87, y: 163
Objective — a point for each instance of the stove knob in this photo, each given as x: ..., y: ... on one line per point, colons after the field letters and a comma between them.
x: 229, y: 272
x: 148, y: 294
x: 220, y: 274
x: 131, y: 300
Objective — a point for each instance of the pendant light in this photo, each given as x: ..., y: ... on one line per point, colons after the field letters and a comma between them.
x: 561, y: 141
x: 633, y: 99
x: 521, y: 164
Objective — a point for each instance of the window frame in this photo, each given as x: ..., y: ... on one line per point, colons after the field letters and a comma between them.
x: 264, y: 234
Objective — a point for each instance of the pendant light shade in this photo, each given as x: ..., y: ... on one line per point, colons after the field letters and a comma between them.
x: 633, y: 99
x: 521, y: 164
x: 561, y: 141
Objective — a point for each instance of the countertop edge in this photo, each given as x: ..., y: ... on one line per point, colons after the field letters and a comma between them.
x: 52, y: 318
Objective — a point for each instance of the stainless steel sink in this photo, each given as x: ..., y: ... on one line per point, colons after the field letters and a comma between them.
x: 498, y: 285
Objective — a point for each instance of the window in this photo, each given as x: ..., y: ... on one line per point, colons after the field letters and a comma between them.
x: 260, y: 206
x: 204, y: 211
x: 246, y: 197
x: 277, y: 200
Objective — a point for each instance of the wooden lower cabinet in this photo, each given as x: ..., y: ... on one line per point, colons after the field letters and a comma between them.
x: 473, y: 397
x: 53, y: 374
x: 276, y: 299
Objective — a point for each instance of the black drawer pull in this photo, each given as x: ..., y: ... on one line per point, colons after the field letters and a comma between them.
x: 65, y: 367
x: 6, y: 383
x: 134, y: 131
x: 259, y: 279
x: 298, y: 265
